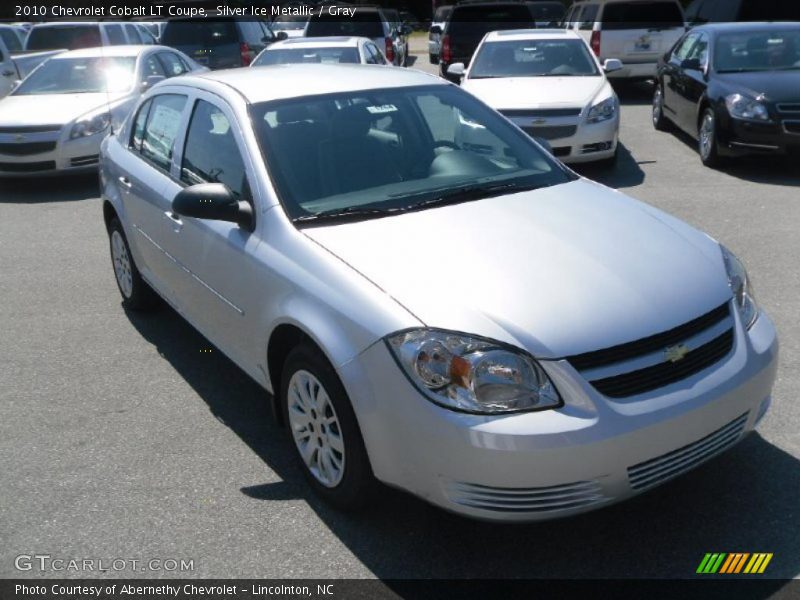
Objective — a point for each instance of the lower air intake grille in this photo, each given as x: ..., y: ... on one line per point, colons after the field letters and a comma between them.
x: 672, y: 464
x: 525, y: 500
x: 556, y: 132
x: 25, y: 148
x: 82, y: 161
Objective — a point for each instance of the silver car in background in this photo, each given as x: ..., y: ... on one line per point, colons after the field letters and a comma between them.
x: 325, y: 50
x: 54, y: 121
x: 475, y: 324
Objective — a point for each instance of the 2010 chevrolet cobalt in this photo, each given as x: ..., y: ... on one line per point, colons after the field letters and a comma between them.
x: 473, y: 323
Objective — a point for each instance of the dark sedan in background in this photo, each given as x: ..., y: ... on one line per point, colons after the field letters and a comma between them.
x: 735, y: 88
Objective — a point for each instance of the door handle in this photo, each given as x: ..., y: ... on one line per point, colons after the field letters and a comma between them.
x: 125, y: 182
x: 175, y: 220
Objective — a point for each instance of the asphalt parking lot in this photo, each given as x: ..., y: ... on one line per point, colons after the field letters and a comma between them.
x: 123, y: 435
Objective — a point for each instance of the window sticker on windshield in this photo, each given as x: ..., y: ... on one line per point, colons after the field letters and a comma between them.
x: 382, y: 109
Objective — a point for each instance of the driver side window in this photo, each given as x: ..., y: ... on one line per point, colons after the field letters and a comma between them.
x: 681, y: 51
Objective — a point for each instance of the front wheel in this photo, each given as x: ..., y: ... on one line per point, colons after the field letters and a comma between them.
x: 433, y: 59
x: 324, y: 429
x: 707, y: 140
x: 136, y: 294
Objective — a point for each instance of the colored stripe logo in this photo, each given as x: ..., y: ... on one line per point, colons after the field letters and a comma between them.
x: 734, y: 562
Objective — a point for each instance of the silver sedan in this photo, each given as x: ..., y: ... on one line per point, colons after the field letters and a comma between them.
x: 474, y: 323
x: 54, y: 121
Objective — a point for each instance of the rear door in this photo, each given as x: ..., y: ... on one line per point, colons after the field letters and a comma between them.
x: 641, y: 31
x: 212, y: 43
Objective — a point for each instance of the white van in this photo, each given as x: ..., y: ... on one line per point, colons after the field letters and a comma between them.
x: 637, y: 32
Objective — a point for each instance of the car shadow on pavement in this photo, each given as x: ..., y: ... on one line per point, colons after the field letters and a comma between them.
x: 626, y: 173
x: 42, y: 190
x: 634, y: 93
x: 742, y: 501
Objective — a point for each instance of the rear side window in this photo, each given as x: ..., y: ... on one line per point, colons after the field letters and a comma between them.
x: 173, y: 65
x: 212, y: 155
x: 641, y: 15
x: 161, y: 130
x: 138, y: 126
x: 115, y: 35
x: 133, y: 35
x: 200, y: 33
x: 152, y: 67
x: 69, y: 37
x: 11, y: 40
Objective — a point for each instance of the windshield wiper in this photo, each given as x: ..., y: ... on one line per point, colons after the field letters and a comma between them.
x: 470, y: 193
x: 349, y: 211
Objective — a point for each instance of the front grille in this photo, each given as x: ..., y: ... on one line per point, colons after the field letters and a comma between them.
x: 14, y: 129
x: 47, y: 165
x: 554, y: 132
x: 26, y: 148
x: 652, y: 378
x: 517, y: 500
x: 700, y: 353
x: 792, y: 126
x: 541, y: 112
x: 657, y: 470
x: 789, y: 108
x: 83, y: 161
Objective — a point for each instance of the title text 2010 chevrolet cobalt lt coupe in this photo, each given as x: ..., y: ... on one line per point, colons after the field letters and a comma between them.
x: 473, y: 323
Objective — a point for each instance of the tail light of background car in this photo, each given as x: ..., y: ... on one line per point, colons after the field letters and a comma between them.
x: 246, y: 53
x: 389, y: 50
x: 595, y: 43
x: 447, y: 53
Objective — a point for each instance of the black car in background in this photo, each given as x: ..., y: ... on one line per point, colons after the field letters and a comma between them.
x: 547, y: 13
x: 735, y: 88
x: 469, y: 22
x: 700, y: 12
x: 219, y: 43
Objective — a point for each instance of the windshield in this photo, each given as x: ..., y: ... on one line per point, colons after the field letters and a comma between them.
x: 80, y: 76
x: 377, y: 152
x: 200, y: 33
x: 368, y: 24
x: 286, y: 56
x: 547, y: 11
x: 533, y: 58
x: 758, y: 51
x: 69, y: 37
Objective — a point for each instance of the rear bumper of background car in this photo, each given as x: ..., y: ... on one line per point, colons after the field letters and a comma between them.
x: 592, y: 452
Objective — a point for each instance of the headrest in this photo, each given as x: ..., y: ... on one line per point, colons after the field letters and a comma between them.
x: 352, y: 121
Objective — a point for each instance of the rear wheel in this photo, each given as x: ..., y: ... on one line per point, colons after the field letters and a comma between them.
x: 136, y: 294
x: 707, y: 140
x: 433, y: 59
x: 324, y: 429
x: 660, y: 121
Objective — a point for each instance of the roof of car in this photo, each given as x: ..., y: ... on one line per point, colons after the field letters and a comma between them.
x: 747, y: 26
x: 292, y: 81
x: 317, y: 42
x: 530, y: 34
x: 107, y: 51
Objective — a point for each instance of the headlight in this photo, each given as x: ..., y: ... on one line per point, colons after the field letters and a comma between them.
x: 90, y: 125
x: 742, y: 107
x: 740, y: 286
x: 603, y: 111
x: 471, y: 374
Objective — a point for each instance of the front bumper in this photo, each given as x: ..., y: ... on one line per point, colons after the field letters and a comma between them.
x: 592, y: 452
x: 66, y: 156
x: 743, y: 138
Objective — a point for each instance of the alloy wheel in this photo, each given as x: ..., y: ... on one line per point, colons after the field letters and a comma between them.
x: 707, y: 135
x: 122, y: 264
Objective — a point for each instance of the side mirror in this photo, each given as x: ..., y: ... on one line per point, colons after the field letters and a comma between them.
x: 691, y: 64
x: 214, y: 202
x: 151, y: 81
x: 612, y: 64
x: 281, y: 35
x: 456, y: 70
x: 544, y: 144
x: 436, y: 29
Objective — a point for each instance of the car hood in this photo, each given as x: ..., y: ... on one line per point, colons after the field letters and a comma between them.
x: 51, y: 109
x: 535, y: 92
x: 777, y: 86
x: 558, y: 271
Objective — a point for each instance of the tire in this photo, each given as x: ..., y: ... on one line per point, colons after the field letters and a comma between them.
x: 660, y: 121
x: 707, y: 145
x: 324, y: 430
x: 136, y: 293
x: 433, y: 59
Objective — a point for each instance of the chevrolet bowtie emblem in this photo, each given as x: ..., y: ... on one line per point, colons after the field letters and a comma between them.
x: 676, y: 353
